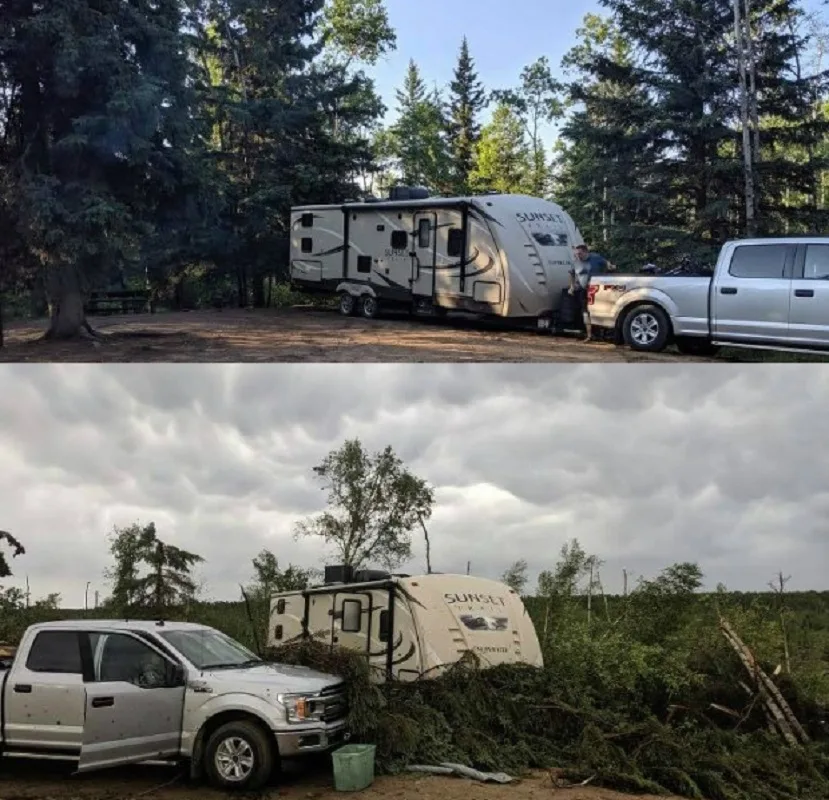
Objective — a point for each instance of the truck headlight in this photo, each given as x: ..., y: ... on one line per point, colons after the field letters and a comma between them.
x: 298, y: 707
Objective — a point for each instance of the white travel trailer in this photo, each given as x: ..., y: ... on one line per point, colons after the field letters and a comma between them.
x: 408, y: 627
x: 493, y: 255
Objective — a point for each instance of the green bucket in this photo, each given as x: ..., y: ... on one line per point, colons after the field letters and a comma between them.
x: 353, y: 767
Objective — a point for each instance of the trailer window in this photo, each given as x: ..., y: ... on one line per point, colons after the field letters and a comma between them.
x: 424, y: 233
x: 277, y: 632
x: 58, y: 652
x: 363, y: 263
x: 280, y: 606
x: 307, y: 245
x: 399, y: 240
x: 383, y: 632
x: 455, y: 245
x: 307, y: 220
x: 352, y: 616
x: 759, y: 261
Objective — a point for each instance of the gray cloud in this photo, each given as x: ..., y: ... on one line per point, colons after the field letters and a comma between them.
x: 646, y: 465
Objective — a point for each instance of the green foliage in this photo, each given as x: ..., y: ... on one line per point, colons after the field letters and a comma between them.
x: 16, y: 550
x: 358, y: 29
x: 516, y: 576
x: 503, y: 162
x: 374, y: 504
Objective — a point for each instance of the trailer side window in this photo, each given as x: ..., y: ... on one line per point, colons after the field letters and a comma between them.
x: 399, y: 240
x: 280, y: 606
x: 363, y: 263
x: 383, y: 632
x: 352, y: 616
x: 277, y: 632
x: 307, y: 245
x: 307, y: 220
x: 454, y: 247
x: 58, y: 652
x: 424, y: 233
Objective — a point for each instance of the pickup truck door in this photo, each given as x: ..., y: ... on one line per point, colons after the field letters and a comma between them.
x: 134, y: 705
x: 809, y: 316
x: 751, y: 293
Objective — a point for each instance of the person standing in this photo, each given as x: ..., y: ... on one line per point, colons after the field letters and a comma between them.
x: 587, y: 265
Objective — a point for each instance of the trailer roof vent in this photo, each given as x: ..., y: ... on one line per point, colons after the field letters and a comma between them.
x: 339, y: 573
x: 366, y: 575
x: 409, y: 193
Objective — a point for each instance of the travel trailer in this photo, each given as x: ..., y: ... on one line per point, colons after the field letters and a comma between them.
x: 504, y: 256
x: 408, y: 627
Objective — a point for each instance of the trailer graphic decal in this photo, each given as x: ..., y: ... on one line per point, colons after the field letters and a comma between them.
x: 477, y: 622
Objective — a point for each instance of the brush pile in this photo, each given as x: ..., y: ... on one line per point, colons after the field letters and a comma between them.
x: 514, y: 718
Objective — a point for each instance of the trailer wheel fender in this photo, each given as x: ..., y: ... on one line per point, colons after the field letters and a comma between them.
x: 646, y: 326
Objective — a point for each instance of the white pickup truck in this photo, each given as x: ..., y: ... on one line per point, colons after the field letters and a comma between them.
x: 764, y: 293
x: 109, y: 693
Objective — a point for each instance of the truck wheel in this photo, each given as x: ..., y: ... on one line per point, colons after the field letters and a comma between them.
x: 347, y: 304
x: 239, y: 756
x: 369, y: 306
x: 647, y: 329
x: 693, y: 346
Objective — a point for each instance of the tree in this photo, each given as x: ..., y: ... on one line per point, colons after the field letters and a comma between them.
x: 358, y: 30
x: 418, y: 139
x: 374, y: 504
x: 516, y: 576
x: 149, y: 573
x: 467, y: 99
x: 536, y: 102
x: 269, y: 577
x: 503, y: 160
x: 16, y: 550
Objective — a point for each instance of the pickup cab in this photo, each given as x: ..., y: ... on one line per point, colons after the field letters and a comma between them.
x: 764, y: 293
x: 110, y: 693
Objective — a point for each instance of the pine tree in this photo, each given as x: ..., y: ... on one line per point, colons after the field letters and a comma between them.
x: 466, y: 101
x: 503, y: 160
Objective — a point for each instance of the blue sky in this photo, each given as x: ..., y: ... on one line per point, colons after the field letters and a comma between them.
x: 503, y: 37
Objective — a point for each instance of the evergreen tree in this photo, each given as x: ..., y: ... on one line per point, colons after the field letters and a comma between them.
x: 16, y: 550
x: 503, y: 160
x: 466, y: 101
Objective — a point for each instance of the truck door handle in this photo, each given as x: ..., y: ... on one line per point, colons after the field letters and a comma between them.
x: 728, y: 290
x: 103, y: 702
x: 804, y: 292
x: 23, y: 688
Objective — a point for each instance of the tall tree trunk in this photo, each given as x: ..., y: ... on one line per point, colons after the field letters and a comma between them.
x: 754, y: 113
x: 65, y: 292
x: 748, y: 166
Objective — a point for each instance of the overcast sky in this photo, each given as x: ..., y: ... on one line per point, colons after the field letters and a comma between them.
x: 646, y: 465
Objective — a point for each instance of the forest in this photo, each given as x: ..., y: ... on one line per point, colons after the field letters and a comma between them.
x: 657, y: 689
x: 161, y: 145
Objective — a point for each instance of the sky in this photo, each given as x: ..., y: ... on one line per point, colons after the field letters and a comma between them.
x: 645, y: 465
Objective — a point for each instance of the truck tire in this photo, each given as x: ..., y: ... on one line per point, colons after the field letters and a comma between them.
x: 647, y: 329
x: 696, y: 346
x: 239, y: 755
x: 347, y: 304
x: 369, y: 307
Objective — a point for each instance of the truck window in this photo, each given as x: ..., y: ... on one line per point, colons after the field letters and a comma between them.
x: 454, y: 247
x: 816, y: 265
x: 399, y: 240
x: 128, y: 660
x: 352, y: 616
x: 759, y: 261
x: 56, y: 652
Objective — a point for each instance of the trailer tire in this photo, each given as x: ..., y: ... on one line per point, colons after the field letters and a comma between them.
x: 696, y: 346
x: 647, y: 329
x: 369, y: 307
x: 347, y: 304
x: 239, y: 755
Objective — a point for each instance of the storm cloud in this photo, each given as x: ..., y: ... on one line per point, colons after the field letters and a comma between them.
x: 645, y: 465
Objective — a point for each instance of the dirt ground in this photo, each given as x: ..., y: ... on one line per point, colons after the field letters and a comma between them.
x: 32, y: 782
x: 300, y: 335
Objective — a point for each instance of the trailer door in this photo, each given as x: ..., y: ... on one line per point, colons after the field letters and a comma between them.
x: 351, y: 621
x: 424, y: 254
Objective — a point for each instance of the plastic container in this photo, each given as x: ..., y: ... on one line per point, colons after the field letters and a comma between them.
x: 353, y: 767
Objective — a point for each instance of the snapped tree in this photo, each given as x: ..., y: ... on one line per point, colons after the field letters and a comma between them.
x: 16, y: 549
x: 374, y: 504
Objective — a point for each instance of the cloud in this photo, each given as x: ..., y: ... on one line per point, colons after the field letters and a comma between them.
x: 645, y: 465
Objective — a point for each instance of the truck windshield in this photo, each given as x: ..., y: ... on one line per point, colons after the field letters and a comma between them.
x: 209, y: 649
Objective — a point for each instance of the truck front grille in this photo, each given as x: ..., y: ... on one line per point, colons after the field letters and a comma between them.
x: 335, y: 703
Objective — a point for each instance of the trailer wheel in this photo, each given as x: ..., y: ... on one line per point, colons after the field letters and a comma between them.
x: 347, y: 304
x: 647, y: 329
x: 239, y: 756
x: 369, y: 306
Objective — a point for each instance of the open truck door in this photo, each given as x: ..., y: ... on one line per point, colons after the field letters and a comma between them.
x: 134, y: 705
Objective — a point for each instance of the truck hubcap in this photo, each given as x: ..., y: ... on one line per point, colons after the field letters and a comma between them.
x: 644, y: 328
x: 234, y: 759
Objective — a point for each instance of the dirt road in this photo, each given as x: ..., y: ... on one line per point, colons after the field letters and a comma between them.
x: 30, y: 782
x: 298, y: 335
